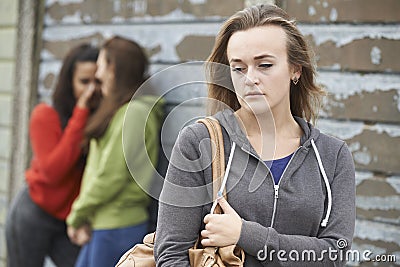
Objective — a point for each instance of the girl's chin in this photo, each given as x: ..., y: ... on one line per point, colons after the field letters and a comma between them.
x: 257, y: 107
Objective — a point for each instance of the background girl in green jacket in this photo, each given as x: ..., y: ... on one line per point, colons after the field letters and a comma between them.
x: 110, y: 214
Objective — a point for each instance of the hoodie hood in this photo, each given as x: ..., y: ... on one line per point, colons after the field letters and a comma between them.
x: 229, y: 121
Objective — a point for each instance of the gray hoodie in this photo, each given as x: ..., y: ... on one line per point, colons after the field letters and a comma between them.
x: 305, y: 220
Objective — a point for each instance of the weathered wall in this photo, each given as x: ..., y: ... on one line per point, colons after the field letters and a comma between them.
x: 356, y: 44
x: 18, y: 65
x: 8, y: 44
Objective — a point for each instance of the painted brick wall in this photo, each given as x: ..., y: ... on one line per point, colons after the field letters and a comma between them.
x: 356, y: 43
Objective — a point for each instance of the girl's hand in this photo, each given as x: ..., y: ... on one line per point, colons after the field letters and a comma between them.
x: 83, y: 100
x: 79, y: 236
x: 222, y: 229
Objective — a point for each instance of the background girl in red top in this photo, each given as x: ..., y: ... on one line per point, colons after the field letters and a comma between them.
x: 35, y: 226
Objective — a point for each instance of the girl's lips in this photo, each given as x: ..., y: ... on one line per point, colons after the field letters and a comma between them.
x: 254, y: 94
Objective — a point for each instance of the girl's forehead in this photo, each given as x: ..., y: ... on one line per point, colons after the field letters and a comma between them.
x: 269, y: 39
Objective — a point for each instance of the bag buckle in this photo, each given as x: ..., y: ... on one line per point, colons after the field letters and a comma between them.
x: 208, y: 260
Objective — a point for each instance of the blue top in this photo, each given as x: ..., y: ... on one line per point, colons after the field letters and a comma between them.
x: 277, y: 167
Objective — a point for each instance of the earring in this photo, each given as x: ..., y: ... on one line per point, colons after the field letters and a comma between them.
x: 295, y: 80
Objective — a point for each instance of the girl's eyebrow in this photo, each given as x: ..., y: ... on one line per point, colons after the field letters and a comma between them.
x: 235, y: 60
x: 263, y: 56
x: 255, y: 58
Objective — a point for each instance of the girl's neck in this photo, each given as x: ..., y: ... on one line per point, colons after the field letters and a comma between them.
x: 271, y: 135
x: 275, y: 123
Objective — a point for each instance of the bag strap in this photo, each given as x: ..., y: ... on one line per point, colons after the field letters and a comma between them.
x: 218, y: 162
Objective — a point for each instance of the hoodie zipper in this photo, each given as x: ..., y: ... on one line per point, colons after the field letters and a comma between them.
x: 276, y: 187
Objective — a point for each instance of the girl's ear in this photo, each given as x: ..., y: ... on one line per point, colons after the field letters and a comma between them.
x: 296, y: 70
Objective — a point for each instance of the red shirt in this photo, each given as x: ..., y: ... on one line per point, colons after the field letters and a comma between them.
x: 55, y: 174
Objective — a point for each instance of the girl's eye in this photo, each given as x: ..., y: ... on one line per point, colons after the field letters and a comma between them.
x: 265, y: 65
x: 237, y: 69
x: 85, y: 81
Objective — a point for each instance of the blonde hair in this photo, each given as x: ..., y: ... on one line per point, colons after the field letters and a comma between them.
x: 305, y: 97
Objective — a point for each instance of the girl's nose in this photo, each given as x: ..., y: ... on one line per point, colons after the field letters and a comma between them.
x: 251, y: 78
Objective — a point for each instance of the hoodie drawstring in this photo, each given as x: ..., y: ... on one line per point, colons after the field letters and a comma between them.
x: 228, y: 168
x: 328, y: 187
